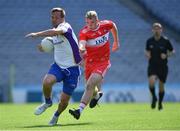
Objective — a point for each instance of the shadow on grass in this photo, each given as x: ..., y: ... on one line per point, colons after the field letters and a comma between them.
x: 60, y: 125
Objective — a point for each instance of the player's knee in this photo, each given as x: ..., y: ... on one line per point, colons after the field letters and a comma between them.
x: 48, y: 82
x: 151, y: 83
x: 161, y: 86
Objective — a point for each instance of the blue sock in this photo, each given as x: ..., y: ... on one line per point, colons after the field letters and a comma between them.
x: 56, y: 114
x: 48, y: 100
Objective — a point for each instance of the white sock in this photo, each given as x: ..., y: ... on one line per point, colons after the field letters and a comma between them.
x: 97, y: 96
x: 81, y: 107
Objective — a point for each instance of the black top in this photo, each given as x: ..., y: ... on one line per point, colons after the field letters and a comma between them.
x: 156, y: 47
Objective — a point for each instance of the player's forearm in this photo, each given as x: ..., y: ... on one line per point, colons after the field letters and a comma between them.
x: 82, y: 45
x: 147, y: 54
x: 114, y: 31
x: 50, y: 32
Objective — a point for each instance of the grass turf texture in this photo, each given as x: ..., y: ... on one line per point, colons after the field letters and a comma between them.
x: 106, y: 117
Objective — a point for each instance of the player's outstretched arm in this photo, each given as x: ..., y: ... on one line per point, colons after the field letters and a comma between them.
x: 114, y: 32
x: 50, y: 32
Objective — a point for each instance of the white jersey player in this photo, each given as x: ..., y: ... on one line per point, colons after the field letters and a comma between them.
x: 65, y: 68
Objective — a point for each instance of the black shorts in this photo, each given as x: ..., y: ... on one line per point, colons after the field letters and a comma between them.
x: 160, y: 71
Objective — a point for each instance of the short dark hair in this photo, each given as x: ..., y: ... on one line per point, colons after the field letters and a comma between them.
x: 58, y: 9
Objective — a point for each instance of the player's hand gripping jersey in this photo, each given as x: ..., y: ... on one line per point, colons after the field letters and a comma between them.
x: 97, y: 47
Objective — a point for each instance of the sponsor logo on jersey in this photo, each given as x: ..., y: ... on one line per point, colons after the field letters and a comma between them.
x: 103, y: 39
x: 99, y: 40
x: 57, y: 40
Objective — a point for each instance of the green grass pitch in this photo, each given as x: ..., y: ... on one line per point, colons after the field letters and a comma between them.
x: 131, y: 116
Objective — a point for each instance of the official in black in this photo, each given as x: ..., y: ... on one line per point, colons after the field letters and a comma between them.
x: 158, y: 49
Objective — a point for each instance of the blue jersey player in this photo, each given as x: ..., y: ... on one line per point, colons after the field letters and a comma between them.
x: 65, y: 67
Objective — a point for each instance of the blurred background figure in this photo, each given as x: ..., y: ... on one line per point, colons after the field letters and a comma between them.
x: 158, y: 49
